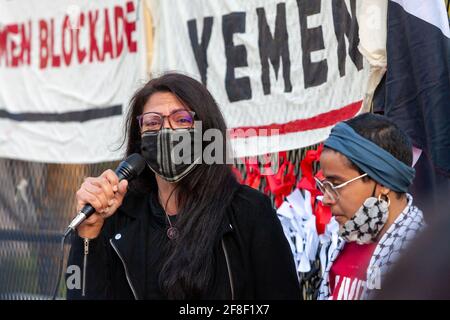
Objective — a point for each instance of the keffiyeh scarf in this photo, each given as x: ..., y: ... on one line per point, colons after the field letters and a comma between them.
x: 396, y: 239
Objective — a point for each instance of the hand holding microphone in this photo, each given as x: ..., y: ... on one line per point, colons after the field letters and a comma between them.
x: 98, y: 198
x: 105, y: 194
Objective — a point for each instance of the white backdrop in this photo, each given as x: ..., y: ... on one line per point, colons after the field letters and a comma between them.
x: 305, y: 114
x: 64, y: 91
x: 64, y: 101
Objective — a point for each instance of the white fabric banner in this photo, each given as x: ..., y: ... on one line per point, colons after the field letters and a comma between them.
x: 292, y: 67
x: 67, y: 71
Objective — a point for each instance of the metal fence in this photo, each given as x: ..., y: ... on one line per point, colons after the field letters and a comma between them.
x: 37, y: 201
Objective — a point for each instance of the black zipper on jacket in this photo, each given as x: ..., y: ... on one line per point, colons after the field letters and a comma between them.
x: 230, y: 275
x: 86, y: 252
x: 126, y: 270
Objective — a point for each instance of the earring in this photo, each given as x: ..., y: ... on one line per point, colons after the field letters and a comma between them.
x: 387, y: 199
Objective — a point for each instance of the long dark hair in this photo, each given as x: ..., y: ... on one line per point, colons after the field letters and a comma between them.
x: 201, y: 197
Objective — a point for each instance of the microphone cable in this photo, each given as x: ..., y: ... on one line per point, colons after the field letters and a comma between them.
x: 61, y: 262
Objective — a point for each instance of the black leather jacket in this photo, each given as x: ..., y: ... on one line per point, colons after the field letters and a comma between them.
x: 254, y: 260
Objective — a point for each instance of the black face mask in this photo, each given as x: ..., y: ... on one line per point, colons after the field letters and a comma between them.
x: 172, y: 154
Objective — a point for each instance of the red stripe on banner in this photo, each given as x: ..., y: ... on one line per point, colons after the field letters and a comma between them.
x: 320, y: 121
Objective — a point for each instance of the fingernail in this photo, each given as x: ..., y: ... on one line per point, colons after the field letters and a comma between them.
x: 110, y: 202
x: 115, y: 188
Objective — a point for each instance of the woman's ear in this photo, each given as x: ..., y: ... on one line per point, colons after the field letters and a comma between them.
x: 381, y: 190
x: 384, y: 191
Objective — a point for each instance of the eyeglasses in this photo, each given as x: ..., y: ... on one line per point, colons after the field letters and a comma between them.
x: 154, y: 121
x: 326, y: 187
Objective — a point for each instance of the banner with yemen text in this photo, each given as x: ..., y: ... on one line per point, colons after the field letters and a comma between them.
x: 283, y: 72
x: 67, y: 71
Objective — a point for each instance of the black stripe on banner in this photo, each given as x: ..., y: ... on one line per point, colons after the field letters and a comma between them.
x: 72, y: 116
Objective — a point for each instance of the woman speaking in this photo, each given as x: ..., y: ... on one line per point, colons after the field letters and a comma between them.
x: 181, y: 230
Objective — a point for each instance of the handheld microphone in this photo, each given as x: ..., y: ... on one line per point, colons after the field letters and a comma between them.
x: 128, y: 169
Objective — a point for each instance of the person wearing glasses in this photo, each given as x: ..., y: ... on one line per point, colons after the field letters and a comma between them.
x: 366, y: 165
x: 185, y: 228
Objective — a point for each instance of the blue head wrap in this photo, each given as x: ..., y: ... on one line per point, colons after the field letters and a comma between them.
x: 379, y: 164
